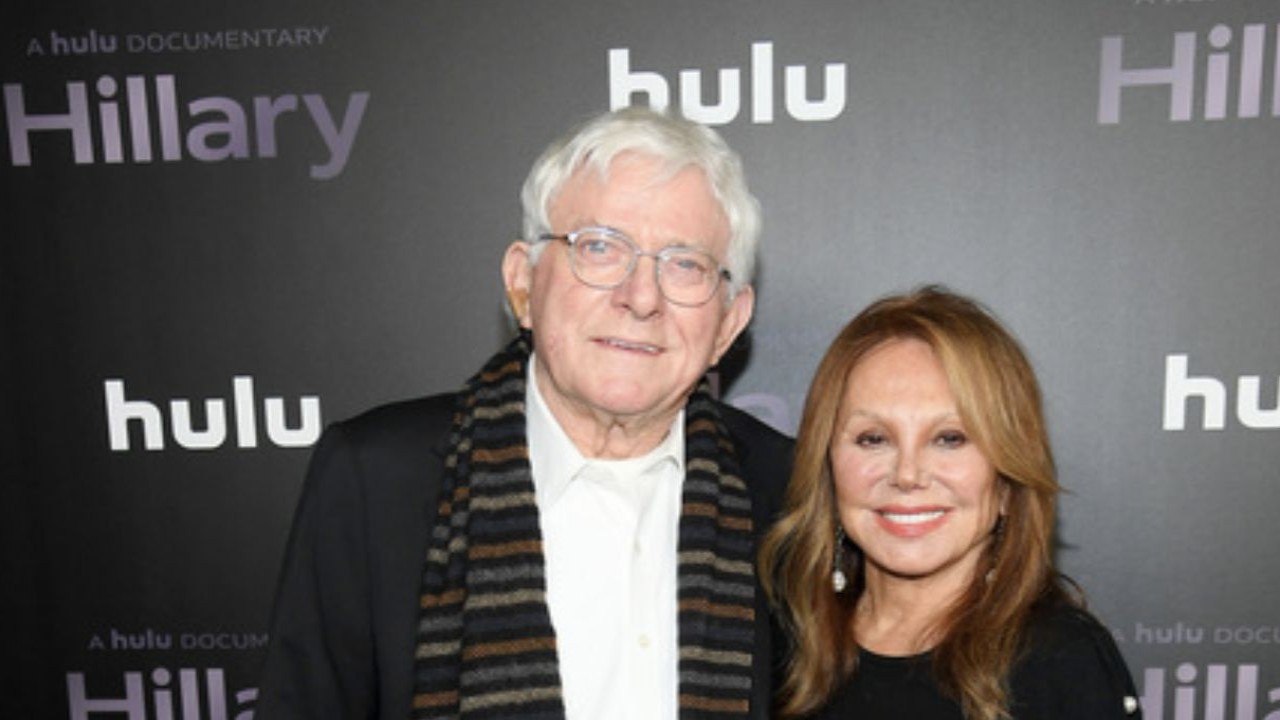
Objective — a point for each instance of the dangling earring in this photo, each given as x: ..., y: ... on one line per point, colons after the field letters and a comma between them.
x: 838, y: 579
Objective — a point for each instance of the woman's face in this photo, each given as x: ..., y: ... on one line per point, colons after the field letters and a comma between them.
x: 913, y: 491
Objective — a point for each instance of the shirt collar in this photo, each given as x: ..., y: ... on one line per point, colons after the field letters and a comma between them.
x: 555, y: 461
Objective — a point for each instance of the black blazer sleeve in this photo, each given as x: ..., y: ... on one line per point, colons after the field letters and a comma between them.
x: 343, y: 625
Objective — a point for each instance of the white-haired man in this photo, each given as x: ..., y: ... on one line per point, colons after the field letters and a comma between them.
x: 573, y: 533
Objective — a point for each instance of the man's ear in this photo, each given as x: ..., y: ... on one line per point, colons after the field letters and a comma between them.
x: 517, y: 275
x: 734, y: 321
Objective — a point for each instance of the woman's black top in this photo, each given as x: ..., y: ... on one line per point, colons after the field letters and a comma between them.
x: 1071, y: 670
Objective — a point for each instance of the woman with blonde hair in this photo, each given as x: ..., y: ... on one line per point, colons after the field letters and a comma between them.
x: 913, y: 566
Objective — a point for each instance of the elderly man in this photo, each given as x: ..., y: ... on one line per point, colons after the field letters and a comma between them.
x: 573, y: 533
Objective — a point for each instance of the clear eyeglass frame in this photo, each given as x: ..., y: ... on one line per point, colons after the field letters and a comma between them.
x: 604, y: 258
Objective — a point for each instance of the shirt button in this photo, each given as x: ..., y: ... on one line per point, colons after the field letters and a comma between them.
x: 643, y: 640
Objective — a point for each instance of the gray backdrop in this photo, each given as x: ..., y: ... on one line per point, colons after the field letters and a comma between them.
x: 296, y: 211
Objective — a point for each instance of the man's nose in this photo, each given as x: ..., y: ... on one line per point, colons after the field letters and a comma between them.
x: 640, y: 292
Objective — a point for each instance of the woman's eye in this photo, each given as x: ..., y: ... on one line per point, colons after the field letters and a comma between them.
x: 869, y: 439
x: 953, y: 438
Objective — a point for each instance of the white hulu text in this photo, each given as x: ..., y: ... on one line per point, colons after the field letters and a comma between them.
x: 625, y: 82
x: 120, y: 412
x: 1180, y: 387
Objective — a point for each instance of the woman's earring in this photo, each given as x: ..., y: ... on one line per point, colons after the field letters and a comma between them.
x: 838, y: 579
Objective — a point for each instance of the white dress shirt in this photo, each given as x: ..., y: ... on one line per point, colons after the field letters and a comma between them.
x: 609, y: 530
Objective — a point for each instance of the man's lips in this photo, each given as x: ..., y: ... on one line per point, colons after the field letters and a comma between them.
x: 629, y: 345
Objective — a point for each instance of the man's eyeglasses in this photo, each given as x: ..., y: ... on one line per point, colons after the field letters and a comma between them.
x: 604, y: 258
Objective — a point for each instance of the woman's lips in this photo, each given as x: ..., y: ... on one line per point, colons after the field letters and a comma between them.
x: 911, y: 522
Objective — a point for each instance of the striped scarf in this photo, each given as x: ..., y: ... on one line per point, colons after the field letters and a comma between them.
x: 485, y: 645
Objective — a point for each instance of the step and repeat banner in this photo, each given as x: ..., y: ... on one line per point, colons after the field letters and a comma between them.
x: 225, y: 228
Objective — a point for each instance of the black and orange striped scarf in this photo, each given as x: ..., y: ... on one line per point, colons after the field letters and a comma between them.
x: 486, y: 648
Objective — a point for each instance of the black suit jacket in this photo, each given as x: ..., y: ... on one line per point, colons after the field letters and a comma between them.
x: 344, y: 623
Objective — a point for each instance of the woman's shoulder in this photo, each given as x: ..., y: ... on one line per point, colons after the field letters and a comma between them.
x: 1061, y: 626
x: 1071, y: 668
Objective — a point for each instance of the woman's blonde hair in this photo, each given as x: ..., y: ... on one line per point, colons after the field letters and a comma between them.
x: 999, y: 403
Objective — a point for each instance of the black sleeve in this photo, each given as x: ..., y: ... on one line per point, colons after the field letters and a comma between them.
x: 1072, y: 670
x: 319, y: 662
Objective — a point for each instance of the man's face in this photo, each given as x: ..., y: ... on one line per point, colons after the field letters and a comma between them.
x: 625, y: 355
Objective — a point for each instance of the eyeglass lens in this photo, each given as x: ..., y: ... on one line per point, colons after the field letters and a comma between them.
x: 685, y: 275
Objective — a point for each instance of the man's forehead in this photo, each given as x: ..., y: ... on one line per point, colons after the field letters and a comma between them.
x: 629, y: 195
